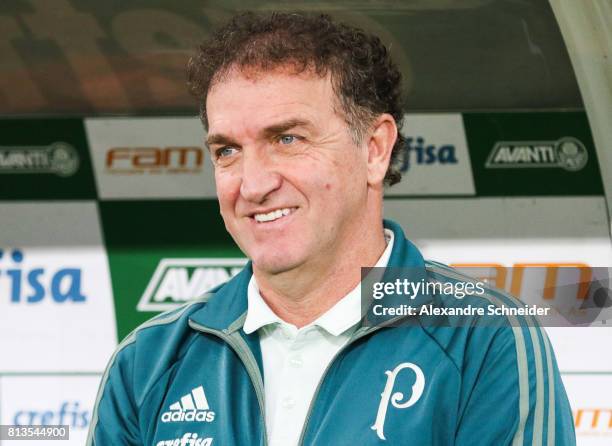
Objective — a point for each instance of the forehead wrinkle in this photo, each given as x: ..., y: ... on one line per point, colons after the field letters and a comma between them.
x: 233, y: 106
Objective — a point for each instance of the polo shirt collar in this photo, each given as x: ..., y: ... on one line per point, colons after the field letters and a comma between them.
x: 259, y: 314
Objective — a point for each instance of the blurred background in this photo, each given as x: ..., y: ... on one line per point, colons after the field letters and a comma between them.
x: 108, y: 213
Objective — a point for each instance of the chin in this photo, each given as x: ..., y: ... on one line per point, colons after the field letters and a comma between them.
x: 274, y: 263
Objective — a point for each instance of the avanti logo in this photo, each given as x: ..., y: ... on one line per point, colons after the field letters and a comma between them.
x: 566, y: 153
x: 417, y: 151
x: 191, y: 407
x: 58, y: 158
x: 62, y: 285
x: 176, y: 281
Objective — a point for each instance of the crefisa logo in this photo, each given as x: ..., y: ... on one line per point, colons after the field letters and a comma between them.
x: 32, y: 285
x: 566, y: 153
x: 188, y: 439
x: 58, y: 158
x: 417, y: 151
x: 70, y: 413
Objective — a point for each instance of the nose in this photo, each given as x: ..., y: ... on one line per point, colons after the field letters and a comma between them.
x: 259, y: 178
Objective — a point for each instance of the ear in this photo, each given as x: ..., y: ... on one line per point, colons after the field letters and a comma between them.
x: 380, y: 141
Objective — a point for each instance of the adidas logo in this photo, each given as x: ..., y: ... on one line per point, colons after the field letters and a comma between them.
x: 191, y: 407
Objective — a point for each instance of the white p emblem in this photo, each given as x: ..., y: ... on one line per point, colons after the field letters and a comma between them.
x: 417, y: 391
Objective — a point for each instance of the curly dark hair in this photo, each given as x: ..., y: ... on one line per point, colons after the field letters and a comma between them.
x: 364, y: 78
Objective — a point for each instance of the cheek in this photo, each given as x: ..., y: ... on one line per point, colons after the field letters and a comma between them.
x: 228, y: 190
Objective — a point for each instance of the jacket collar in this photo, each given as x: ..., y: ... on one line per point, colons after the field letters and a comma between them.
x: 226, y: 309
x: 227, y: 306
x: 340, y: 318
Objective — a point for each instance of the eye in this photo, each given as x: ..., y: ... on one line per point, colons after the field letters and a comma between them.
x: 287, y: 139
x: 224, y: 152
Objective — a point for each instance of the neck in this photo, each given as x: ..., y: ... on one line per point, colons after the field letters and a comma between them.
x: 299, y: 296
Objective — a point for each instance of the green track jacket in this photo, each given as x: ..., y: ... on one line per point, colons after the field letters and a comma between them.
x: 192, y: 377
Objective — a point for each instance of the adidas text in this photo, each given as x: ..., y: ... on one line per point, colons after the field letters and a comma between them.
x: 205, y: 416
x: 191, y: 407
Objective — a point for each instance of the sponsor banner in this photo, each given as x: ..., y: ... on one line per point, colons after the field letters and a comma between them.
x: 194, y: 253
x: 515, y: 232
x: 56, y: 305
x: 435, y: 158
x: 532, y: 153
x: 177, y: 281
x: 591, y: 402
x: 146, y: 158
x: 576, y: 348
x: 45, y: 400
x: 44, y: 159
x: 163, y: 254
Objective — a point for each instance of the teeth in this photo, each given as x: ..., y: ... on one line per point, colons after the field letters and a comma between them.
x: 271, y: 216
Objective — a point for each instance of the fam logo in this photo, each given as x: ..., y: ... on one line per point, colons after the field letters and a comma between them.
x: 69, y: 413
x: 176, y: 281
x: 574, y: 290
x: 58, y: 158
x: 566, y: 153
x: 552, y: 278
x: 191, y: 407
x: 32, y: 285
x: 395, y: 398
x: 188, y: 439
x: 154, y: 160
x: 417, y: 151
x: 593, y: 421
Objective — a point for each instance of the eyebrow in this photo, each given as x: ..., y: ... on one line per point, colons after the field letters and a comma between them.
x: 220, y: 139
x: 283, y: 126
x: 272, y: 130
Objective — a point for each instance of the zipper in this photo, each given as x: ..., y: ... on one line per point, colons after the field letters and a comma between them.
x: 357, y: 336
x: 249, y: 362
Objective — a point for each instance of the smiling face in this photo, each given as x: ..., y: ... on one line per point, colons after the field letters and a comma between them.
x: 291, y: 182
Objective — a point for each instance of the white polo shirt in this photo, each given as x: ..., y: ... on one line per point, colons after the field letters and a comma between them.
x: 294, y: 360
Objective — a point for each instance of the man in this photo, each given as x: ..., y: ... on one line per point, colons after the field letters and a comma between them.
x: 302, y: 116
